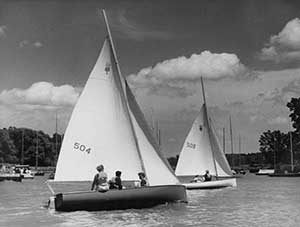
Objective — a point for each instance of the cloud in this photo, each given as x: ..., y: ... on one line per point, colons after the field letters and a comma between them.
x: 137, y: 31
x: 281, y: 96
x: 3, y: 31
x: 285, y: 46
x: 278, y: 120
x: 27, y: 43
x: 40, y: 94
x: 37, y: 44
x: 175, y: 73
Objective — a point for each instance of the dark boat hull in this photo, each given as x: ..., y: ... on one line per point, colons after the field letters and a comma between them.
x: 135, y: 198
x: 284, y: 175
x: 13, y: 177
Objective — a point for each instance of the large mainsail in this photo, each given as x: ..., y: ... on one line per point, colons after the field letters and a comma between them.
x: 99, y: 131
x: 107, y: 127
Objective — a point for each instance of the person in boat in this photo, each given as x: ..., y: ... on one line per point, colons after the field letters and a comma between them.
x: 116, y: 182
x: 207, y: 176
x: 197, y: 178
x: 143, y: 179
x: 100, y: 180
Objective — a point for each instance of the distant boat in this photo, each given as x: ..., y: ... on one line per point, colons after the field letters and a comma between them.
x: 201, y: 151
x: 7, y: 172
x: 107, y: 127
x: 24, y: 170
x: 265, y: 172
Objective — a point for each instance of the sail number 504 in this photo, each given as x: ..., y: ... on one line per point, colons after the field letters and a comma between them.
x: 82, y: 147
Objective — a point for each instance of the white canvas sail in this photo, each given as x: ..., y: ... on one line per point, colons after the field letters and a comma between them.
x: 196, y: 154
x: 202, y: 151
x: 107, y: 127
x: 222, y: 165
x: 155, y: 165
x: 99, y: 131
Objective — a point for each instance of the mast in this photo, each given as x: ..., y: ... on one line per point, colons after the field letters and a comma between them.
x: 224, y: 142
x: 231, y: 141
x: 36, y: 151
x: 22, y: 151
x: 291, y: 147
x: 56, y: 150
x: 208, y: 125
x: 123, y: 92
x: 240, y: 148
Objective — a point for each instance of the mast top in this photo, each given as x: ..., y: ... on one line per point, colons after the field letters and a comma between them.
x: 203, y: 92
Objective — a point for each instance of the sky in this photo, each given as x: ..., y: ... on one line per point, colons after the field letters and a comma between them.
x: 248, y: 53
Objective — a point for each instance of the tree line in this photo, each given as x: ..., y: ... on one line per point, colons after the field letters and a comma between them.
x: 276, y: 146
x: 26, y: 146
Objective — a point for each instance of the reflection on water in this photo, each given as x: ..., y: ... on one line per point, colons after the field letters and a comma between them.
x: 257, y: 201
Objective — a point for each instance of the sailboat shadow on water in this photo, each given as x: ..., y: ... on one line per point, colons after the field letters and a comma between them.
x: 202, y: 152
x: 107, y: 127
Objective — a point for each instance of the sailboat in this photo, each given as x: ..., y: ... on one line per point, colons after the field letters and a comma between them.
x: 107, y: 127
x: 201, y: 151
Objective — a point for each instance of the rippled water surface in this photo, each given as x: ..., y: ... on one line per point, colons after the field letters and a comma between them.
x: 257, y: 201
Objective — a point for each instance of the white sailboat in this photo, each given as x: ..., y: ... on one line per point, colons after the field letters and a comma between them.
x: 201, y: 151
x: 107, y: 127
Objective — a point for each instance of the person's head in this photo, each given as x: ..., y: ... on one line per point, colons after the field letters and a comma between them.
x: 100, y: 168
x: 141, y: 175
x: 118, y: 173
x: 206, y: 171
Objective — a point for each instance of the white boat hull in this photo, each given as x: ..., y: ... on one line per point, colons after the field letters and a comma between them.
x: 211, y: 184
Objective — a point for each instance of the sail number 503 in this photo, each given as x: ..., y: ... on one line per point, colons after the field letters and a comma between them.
x: 82, y: 147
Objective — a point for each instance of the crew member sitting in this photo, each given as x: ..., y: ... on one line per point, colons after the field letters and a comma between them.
x: 143, y: 179
x: 100, y: 180
x: 197, y: 178
x: 116, y: 182
x: 207, y: 176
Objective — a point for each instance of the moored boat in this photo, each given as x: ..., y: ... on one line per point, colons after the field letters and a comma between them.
x: 284, y: 174
x: 264, y: 172
x: 11, y: 176
x: 108, y: 127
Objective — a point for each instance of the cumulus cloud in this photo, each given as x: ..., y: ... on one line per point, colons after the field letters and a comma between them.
x: 285, y: 46
x: 3, y: 31
x: 27, y: 43
x: 175, y: 73
x: 41, y: 94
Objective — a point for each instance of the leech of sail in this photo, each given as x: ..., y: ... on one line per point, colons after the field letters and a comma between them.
x: 208, y: 126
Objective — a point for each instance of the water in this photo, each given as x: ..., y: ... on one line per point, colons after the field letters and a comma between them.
x: 257, y: 201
